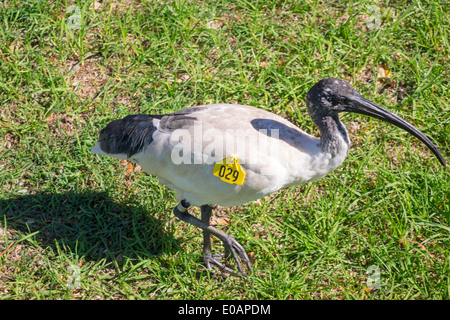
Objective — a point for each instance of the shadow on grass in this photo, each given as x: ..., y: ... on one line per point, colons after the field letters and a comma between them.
x: 90, y: 224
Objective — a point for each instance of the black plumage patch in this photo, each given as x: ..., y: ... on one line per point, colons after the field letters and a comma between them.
x: 134, y: 132
x: 180, y: 119
x: 128, y: 135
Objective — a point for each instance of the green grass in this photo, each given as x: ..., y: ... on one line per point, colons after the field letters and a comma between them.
x: 68, y: 215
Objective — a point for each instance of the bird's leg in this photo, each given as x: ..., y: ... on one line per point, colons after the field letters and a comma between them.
x: 230, y: 244
x: 208, y: 257
x: 206, y: 215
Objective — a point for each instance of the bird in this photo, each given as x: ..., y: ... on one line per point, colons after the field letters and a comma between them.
x: 229, y: 155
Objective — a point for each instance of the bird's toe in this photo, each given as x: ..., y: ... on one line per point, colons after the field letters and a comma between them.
x: 213, y: 260
x: 235, y: 249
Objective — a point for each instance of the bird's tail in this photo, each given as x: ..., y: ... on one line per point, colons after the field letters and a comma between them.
x: 125, y: 137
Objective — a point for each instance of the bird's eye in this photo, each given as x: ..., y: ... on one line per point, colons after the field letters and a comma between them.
x: 334, y: 99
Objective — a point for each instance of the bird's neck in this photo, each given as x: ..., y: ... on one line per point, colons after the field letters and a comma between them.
x: 334, y: 138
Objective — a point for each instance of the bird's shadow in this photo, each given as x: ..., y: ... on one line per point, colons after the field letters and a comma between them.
x: 91, y: 224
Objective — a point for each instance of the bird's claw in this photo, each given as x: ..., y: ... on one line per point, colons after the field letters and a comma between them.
x: 212, y: 260
x: 232, y: 249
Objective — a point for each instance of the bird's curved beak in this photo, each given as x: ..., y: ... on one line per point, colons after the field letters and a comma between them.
x: 358, y: 104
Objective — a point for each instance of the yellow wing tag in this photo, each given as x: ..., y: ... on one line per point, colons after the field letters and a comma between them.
x: 229, y: 170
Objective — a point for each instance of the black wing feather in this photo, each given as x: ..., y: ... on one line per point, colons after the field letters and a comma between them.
x: 134, y: 132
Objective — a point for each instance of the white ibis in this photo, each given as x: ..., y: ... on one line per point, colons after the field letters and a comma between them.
x: 226, y: 155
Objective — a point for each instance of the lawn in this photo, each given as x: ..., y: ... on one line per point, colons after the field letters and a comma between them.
x: 74, y: 225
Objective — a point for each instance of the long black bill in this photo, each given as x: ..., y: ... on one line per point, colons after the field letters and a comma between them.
x: 359, y: 104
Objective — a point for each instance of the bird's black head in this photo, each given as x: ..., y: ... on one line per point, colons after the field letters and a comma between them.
x: 330, y: 96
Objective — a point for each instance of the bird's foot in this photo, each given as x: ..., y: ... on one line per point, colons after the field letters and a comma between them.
x: 233, y: 249
x: 213, y: 261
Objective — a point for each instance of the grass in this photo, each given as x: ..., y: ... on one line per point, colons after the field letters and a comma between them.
x: 77, y: 226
